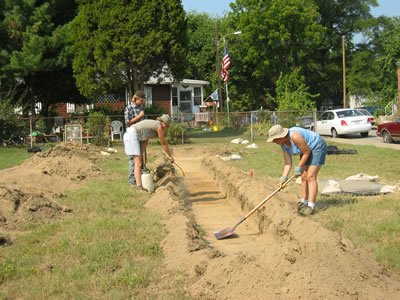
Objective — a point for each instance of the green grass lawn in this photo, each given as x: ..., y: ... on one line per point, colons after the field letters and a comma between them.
x: 10, y: 157
x: 109, y: 246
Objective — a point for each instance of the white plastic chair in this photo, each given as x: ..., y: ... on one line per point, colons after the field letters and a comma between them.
x: 116, y: 128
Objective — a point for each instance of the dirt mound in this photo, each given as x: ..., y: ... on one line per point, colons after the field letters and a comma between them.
x: 276, y: 254
x: 29, y: 192
x: 18, y: 208
x: 55, y: 170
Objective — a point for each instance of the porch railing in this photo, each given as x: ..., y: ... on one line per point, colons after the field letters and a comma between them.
x: 392, y: 107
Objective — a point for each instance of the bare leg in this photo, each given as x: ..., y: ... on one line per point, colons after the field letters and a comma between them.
x: 304, y: 184
x: 312, y: 183
x: 138, y: 169
x: 143, y: 146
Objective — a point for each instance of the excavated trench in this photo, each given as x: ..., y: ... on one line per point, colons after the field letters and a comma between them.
x: 275, y: 254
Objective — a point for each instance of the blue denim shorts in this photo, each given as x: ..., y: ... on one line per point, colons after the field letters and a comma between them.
x: 318, y: 154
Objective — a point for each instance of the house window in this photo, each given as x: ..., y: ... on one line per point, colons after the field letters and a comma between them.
x: 70, y: 108
x: 38, y: 107
x: 149, y: 95
x: 197, y: 96
x: 175, y: 96
x: 186, y: 96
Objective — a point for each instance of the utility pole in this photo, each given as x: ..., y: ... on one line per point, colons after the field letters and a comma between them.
x: 218, y: 67
x: 398, y: 85
x: 344, y: 72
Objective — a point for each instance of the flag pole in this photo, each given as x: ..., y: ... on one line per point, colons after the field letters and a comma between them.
x: 227, y: 94
x: 227, y: 103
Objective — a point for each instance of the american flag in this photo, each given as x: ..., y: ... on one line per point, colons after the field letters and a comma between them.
x: 226, y: 62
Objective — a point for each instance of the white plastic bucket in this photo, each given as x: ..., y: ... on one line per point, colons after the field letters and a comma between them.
x: 147, y: 182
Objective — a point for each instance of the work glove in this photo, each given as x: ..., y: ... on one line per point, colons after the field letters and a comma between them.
x: 283, y: 179
x: 297, y: 171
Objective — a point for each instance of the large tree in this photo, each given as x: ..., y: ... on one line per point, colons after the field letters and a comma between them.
x: 34, y: 54
x: 340, y: 18
x: 120, y: 43
x: 201, y: 48
x: 387, y: 60
x: 277, y: 37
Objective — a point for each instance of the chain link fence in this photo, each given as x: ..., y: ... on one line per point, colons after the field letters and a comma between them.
x: 53, y: 129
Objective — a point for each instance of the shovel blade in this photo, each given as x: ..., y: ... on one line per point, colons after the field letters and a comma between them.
x: 225, y: 233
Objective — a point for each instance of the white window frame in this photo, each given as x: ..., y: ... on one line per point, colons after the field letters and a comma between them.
x: 38, y: 107
x: 70, y: 108
x: 149, y: 95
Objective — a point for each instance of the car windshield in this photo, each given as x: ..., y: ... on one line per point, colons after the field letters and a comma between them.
x: 364, y: 112
x: 348, y: 113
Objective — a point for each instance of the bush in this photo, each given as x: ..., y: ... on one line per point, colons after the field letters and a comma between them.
x: 176, y: 134
x: 260, y: 128
x: 97, y: 125
x: 155, y: 109
x: 379, y: 112
x: 12, y: 131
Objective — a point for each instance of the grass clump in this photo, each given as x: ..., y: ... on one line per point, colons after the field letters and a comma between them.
x: 12, y: 156
x: 107, y: 247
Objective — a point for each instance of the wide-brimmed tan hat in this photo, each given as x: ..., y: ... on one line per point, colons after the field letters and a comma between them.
x: 165, y: 118
x: 276, y: 132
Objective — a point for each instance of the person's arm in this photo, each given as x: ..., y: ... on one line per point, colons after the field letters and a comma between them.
x: 164, y: 143
x: 301, y: 143
x: 126, y: 116
x: 135, y: 119
x: 288, y: 163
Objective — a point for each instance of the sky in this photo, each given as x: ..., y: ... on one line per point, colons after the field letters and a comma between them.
x: 389, y: 8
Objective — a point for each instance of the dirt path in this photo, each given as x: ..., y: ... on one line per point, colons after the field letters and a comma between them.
x: 277, y: 255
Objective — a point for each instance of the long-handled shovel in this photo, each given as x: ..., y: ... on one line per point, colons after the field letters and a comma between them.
x: 227, y: 232
x: 183, y: 173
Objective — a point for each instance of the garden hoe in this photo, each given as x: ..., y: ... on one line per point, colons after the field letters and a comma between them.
x: 227, y: 232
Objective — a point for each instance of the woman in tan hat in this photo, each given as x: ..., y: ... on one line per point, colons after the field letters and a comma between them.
x: 136, y: 140
x: 312, y: 149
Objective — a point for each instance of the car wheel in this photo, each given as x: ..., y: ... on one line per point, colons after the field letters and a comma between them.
x: 334, y: 133
x: 386, y: 137
x: 364, y: 134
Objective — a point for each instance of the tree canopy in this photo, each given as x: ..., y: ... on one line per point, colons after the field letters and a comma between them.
x: 122, y: 43
x: 277, y: 36
x: 34, y: 55
x: 288, y: 49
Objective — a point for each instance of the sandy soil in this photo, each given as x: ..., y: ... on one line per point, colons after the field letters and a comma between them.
x: 275, y: 254
x: 29, y: 192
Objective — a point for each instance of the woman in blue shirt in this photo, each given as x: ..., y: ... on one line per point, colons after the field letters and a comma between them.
x: 312, y: 149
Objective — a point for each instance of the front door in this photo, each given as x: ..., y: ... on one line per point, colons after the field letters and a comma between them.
x: 186, y: 102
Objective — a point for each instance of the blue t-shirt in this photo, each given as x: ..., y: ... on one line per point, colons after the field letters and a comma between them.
x: 312, y: 139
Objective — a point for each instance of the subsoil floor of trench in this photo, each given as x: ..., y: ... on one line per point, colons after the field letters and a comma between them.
x: 275, y: 254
